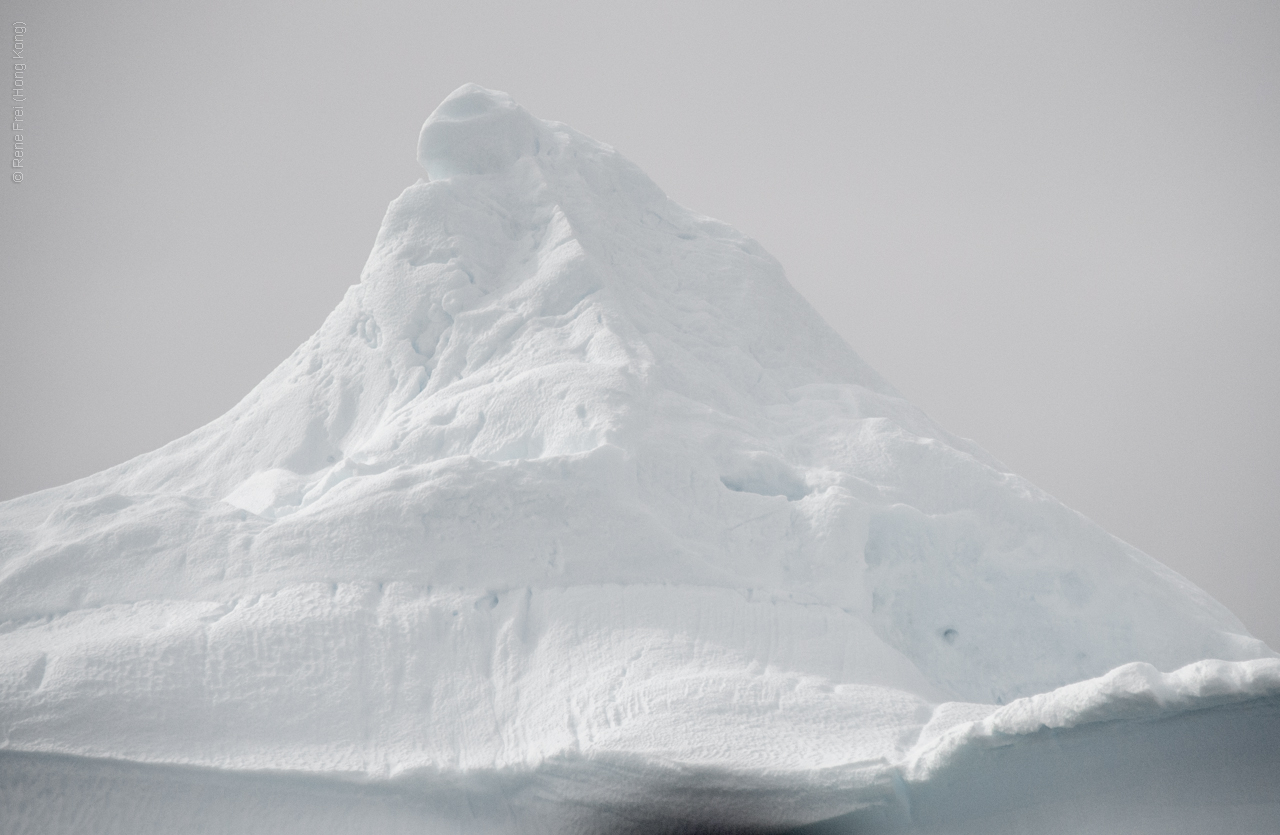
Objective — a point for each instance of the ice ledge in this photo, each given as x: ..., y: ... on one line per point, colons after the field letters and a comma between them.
x: 1136, y: 691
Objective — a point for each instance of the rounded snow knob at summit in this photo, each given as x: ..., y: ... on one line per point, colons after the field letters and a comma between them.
x: 476, y: 131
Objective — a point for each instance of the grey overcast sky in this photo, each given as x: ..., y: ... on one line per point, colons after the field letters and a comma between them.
x: 1054, y: 226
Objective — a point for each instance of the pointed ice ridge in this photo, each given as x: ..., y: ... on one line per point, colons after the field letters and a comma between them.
x: 572, y: 472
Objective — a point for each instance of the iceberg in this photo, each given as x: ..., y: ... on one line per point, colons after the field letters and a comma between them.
x: 574, y: 517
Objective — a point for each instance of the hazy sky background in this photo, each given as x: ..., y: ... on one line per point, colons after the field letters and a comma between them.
x: 1054, y: 226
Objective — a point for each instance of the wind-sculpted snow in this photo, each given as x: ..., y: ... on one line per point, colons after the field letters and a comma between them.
x: 575, y: 509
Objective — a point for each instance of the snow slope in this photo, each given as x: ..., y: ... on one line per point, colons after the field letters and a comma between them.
x: 573, y: 512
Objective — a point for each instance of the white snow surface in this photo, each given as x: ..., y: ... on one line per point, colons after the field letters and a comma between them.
x: 573, y: 502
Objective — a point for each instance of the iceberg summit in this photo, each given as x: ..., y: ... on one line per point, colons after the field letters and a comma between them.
x: 574, y: 517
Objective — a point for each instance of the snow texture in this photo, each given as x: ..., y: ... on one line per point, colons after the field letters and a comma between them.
x: 575, y: 517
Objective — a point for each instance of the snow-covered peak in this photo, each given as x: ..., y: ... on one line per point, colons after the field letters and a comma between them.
x: 569, y: 465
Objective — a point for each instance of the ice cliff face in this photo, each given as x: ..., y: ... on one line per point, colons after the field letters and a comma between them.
x: 572, y: 474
